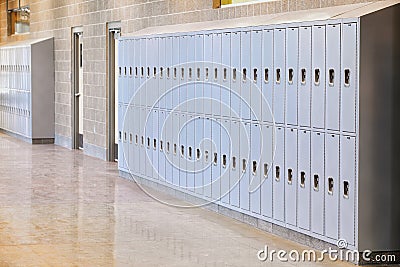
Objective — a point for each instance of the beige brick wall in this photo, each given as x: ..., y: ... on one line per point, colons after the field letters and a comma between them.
x: 56, y: 17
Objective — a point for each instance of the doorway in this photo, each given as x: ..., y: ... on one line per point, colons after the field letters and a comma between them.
x: 77, y: 92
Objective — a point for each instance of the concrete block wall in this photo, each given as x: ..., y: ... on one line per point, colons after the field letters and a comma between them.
x: 56, y: 18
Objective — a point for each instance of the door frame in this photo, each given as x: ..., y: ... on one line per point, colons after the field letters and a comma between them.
x: 75, y: 55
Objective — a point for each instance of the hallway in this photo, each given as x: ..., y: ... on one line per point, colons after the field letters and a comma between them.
x: 61, y: 208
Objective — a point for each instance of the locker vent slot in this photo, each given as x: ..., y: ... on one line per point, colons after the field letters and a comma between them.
x: 161, y: 145
x: 182, y: 150
x: 207, y: 74
x: 277, y: 173
x: 131, y: 138
x: 168, y: 148
x: 225, y: 74
x: 168, y: 73
x: 175, y: 149
x: 330, y: 185
x: 125, y: 71
x: 148, y: 142
x: 206, y: 156
x: 148, y: 72
x: 130, y: 71
x: 254, y: 167
x: 266, y: 75
x: 198, y: 153
x: 215, y: 159
x: 198, y: 73
x: 125, y: 137
x: 190, y: 73
x: 175, y: 73
x: 136, y: 72
x: 154, y: 72
x: 347, y: 77
x: 234, y: 73
x: 136, y: 139
x: 244, y: 74
x: 154, y: 144
x: 120, y: 71
x: 265, y: 169
x: 291, y: 74
x: 215, y: 74
x: 142, y: 140
x: 317, y: 76
x: 182, y: 73
x: 346, y: 189
x: 161, y: 72
x: 331, y: 77
x: 224, y: 161
x: 233, y: 163
x: 316, y: 182
x: 303, y: 179
x: 120, y: 135
x: 255, y: 75
x: 190, y: 152
x: 142, y: 72
x: 244, y: 165
x: 278, y: 75
x: 290, y: 176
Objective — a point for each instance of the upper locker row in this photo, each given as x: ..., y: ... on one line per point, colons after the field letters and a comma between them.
x: 307, y: 75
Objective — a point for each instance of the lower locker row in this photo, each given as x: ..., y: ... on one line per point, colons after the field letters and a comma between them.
x: 296, y: 177
x: 16, y: 121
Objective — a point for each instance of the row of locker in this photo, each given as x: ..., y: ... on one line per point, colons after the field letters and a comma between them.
x: 300, y: 178
x: 15, y: 70
x: 302, y: 76
x: 16, y: 123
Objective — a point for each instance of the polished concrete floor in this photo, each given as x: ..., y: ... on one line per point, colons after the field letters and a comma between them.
x: 61, y: 208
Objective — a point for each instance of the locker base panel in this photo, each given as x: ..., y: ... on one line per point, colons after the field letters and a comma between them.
x: 63, y: 141
x: 273, y: 228
x: 33, y: 141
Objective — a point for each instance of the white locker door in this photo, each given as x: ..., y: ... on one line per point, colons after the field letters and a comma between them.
x: 305, y: 76
x: 318, y: 84
x: 225, y: 160
x: 161, y: 72
x: 256, y: 75
x: 216, y: 160
x: 245, y: 136
x: 199, y: 159
x: 267, y: 171
x: 175, y: 72
x: 190, y: 152
x: 208, y: 48
x: 120, y: 141
x: 349, y: 77
x: 175, y: 148
x: 155, y: 144
x: 255, y: 168
x: 303, y: 180
x: 235, y: 75
x: 136, y: 72
x: 143, y: 156
x: 347, y: 188
x: 235, y: 167
x: 154, y: 74
x: 132, y: 148
x: 143, y: 66
x: 291, y: 171
x: 120, y: 71
x: 332, y: 186
x: 131, y: 78
x: 125, y: 137
x: 267, y: 74
x: 149, y: 72
x: 169, y: 155
x: 216, y: 74
x: 292, y: 55
x: 245, y: 61
x: 199, y: 73
x: 279, y: 176
x: 226, y: 75
x: 333, y: 76
x: 207, y: 157
x: 182, y: 70
x: 191, y: 75
x: 149, y: 143
x: 161, y: 146
x: 168, y: 73
x: 183, y: 144
x: 317, y: 184
x: 279, y: 75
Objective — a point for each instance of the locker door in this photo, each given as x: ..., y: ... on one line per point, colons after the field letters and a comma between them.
x: 136, y: 70
x: 132, y: 148
x: 190, y: 152
x: 291, y: 171
x: 131, y: 58
x: 154, y: 74
x: 199, y: 161
x: 169, y: 155
x: 317, y: 184
x: 149, y: 135
x: 225, y: 160
x: 292, y: 55
x: 161, y: 146
x: 182, y: 149
x: 349, y: 77
x: 235, y: 167
x: 208, y: 46
x: 125, y: 136
x: 207, y: 157
x: 120, y: 140
x: 216, y: 160
x: 125, y: 87
x: 332, y: 186
x: 168, y: 73
x: 333, y: 76
x: 267, y: 172
x: 235, y: 75
x: 318, y: 83
x: 199, y: 73
x: 190, y: 105
x: 256, y: 75
x: 143, y: 156
x: 255, y: 167
x: 245, y: 95
x: 347, y: 187
x: 175, y: 148
x: 245, y: 136
x: 267, y: 74
x: 175, y: 72
x: 226, y: 75
x: 216, y: 74
x: 183, y: 60
x: 149, y: 72
x: 155, y: 144
x: 305, y: 74
x: 143, y: 67
x: 303, y: 180
x: 279, y: 176
x: 161, y: 72
x: 279, y: 75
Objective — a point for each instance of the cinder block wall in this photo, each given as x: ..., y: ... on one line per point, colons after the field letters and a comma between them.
x: 55, y: 18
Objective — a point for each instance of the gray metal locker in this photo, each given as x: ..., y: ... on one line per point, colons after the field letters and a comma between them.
x: 226, y: 75
x: 235, y: 75
x: 121, y: 158
x: 125, y: 136
x: 332, y: 186
x: 216, y: 74
x: 169, y: 155
x: 207, y: 87
x: 143, y: 70
x: 149, y: 134
x: 235, y: 166
x: 303, y: 180
x: 149, y: 72
x: 333, y: 35
x: 347, y: 188
x: 161, y: 72
x: 305, y: 76
x: 175, y: 72
x: 182, y: 151
x: 199, y: 73
x: 279, y: 75
x: 183, y: 72
x: 143, y: 155
x: 225, y: 161
x: 168, y: 73
x: 292, y: 55
x: 267, y: 170
x: 279, y: 176
x: 161, y: 145
x: 190, y: 74
x: 207, y: 157
x: 154, y: 74
x: 135, y: 70
x: 318, y: 77
x: 125, y: 75
x: 199, y: 160
x: 130, y: 83
x: 175, y: 148
x: 245, y: 76
x: 155, y: 139
x: 132, y: 149
x: 291, y: 181
x: 244, y: 135
x: 267, y: 74
x: 255, y: 168
x: 349, y: 77
x: 317, y: 184
x: 256, y: 75
x: 216, y: 159
x: 190, y: 152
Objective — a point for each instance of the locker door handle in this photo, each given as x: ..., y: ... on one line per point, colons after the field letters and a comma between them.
x: 77, y: 94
